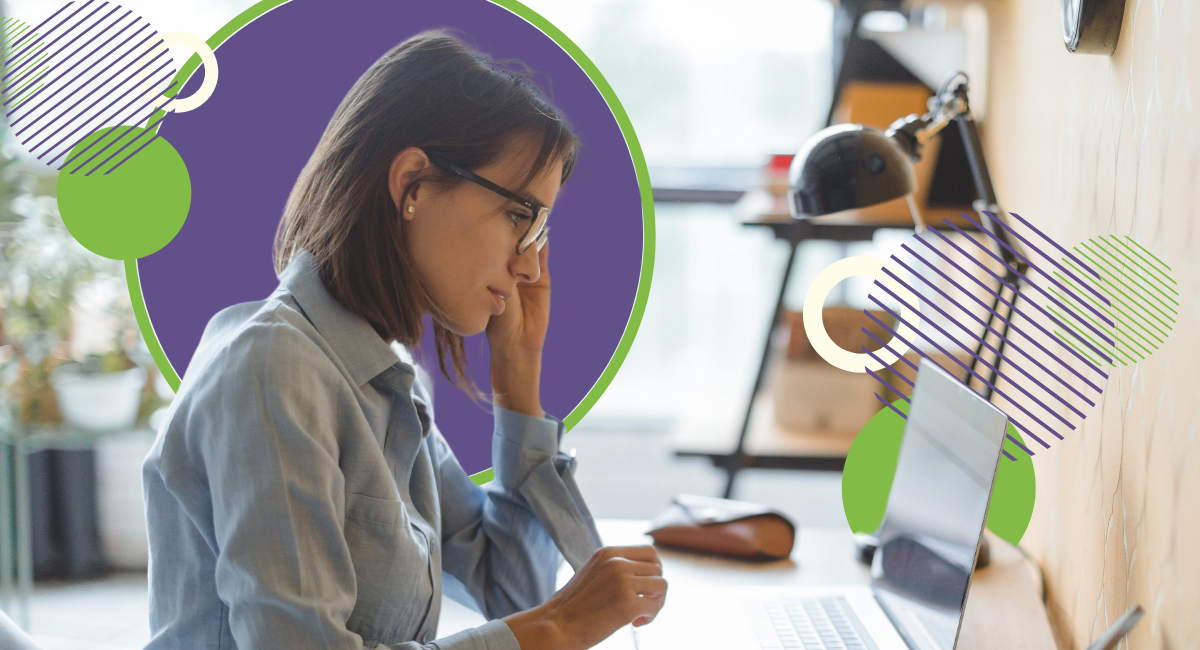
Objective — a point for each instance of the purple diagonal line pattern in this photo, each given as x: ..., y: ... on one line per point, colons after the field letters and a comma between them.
x: 1031, y: 283
x: 135, y: 87
x: 977, y: 338
x: 1055, y: 244
x: 114, y: 154
x: 50, y: 84
x: 123, y: 148
x: 19, y: 62
x: 76, y: 51
x: 53, y: 29
x: 35, y: 58
x: 889, y: 349
x: 33, y: 32
x: 1015, y: 309
x: 882, y: 381
x: 902, y: 340
x: 114, y: 167
x: 889, y: 405
x: 1005, y: 452
x: 38, y: 116
x: 41, y: 45
x: 105, y: 121
x: 75, y: 75
x: 12, y: 30
x: 112, y: 142
x: 978, y: 358
x: 63, y: 35
x: 989, y: 328
x: 118, y: 59
x: 880, y: 361
x: 1035, y: 267
x: 1085, y: 284
x: 1018, y: 443
x: 955, y: 360
x: 120, y: 122
x: 95, y: 116
x: 1014, y: 326
x: 19, y: 38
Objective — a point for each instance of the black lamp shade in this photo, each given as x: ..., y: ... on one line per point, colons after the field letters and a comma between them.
x: 847, y: 166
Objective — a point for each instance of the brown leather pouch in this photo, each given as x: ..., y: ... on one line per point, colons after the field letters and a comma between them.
x: 724, y: 527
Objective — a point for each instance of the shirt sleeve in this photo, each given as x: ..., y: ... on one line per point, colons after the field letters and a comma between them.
x: 502, y: 541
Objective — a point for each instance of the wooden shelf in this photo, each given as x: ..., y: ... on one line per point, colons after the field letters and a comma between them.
x: 769, y: 445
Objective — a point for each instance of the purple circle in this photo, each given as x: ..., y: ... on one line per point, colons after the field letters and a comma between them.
x: 282, y: 77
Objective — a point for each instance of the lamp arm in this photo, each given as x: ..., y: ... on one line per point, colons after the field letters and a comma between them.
x: 914, y: 131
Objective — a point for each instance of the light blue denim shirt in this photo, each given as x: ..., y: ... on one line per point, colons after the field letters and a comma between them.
x: 299, y: 494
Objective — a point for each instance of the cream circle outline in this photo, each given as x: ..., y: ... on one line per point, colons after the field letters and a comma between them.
x: 814, y: 305
x: 207, y: 59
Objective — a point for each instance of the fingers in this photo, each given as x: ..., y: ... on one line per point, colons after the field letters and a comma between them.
x: 653, y: 592
x: 649, y: 587
x: 640, y: 553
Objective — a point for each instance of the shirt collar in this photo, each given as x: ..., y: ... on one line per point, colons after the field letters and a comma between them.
x: 359, y: 347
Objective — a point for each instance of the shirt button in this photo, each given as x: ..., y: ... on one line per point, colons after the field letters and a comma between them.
x: 427, y: 637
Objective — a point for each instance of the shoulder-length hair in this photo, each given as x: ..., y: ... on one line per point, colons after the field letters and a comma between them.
x: 432, y: 92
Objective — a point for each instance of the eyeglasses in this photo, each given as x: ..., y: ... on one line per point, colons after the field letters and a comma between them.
x: 535, y: 233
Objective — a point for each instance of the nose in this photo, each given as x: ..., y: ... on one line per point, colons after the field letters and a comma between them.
x: 526, y: 266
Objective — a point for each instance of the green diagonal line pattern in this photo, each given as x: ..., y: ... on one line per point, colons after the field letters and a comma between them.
x: 1166, y: 275
x: 1132, y: 279
x: 1154, y: 285
x: 1133, y: 283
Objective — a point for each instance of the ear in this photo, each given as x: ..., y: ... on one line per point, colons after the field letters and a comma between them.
x: 405, y: 170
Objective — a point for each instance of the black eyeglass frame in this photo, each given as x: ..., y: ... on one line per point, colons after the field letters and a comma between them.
x: 538, y: 212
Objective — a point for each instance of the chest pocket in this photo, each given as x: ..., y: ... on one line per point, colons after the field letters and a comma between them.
x: 391, y: 560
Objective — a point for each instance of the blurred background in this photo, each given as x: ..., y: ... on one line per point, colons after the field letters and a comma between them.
x: 720, y: 99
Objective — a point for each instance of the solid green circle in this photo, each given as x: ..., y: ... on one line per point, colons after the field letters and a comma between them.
x: 871, y: 465
x: 124, y: 210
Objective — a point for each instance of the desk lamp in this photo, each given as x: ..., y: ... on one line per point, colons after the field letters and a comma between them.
x: 849, y: 166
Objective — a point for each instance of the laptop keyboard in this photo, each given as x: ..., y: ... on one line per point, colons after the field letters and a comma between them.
x: 807, y: 624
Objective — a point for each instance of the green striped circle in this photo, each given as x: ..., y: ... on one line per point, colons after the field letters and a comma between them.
x: 1143, y: 300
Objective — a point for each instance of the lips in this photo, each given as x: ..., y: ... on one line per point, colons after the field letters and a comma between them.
x: 499, y: 297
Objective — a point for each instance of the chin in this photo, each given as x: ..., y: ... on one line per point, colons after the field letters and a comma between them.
x: 467, y: 326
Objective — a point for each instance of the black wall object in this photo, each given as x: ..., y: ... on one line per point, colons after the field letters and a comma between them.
x: 1092, y: 26
x: 63, y: 513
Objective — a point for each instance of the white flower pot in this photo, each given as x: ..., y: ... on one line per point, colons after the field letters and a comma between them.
x: 98, y: 402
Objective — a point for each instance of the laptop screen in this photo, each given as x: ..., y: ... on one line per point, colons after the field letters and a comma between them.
x: 936, y: 509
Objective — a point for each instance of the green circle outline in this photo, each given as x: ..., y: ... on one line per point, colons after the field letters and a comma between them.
x: 133, y: 280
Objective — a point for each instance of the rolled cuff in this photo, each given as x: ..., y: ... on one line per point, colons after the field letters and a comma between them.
x: 529, y: 465
x: 521, y: 442
x: 493, y: 635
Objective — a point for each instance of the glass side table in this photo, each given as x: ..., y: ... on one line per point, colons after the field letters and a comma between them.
x: 17, y: 441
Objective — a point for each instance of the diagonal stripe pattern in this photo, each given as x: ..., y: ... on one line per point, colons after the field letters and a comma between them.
x: 89, y: 66
x: 1068, y: 316
x: 1143, y: 301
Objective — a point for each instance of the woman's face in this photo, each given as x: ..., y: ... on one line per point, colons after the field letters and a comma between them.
x: 463, y: 240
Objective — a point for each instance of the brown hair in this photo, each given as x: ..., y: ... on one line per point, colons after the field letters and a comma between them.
x: 432, y: 92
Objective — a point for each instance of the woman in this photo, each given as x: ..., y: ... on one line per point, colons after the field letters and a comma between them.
x: 299, y: 494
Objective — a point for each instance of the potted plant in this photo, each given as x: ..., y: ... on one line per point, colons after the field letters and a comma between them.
x: 44, y: 271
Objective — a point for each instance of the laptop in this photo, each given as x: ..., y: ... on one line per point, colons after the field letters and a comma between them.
x: 921, y: 572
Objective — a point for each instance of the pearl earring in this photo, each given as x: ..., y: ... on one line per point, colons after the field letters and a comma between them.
x: 411, y: 209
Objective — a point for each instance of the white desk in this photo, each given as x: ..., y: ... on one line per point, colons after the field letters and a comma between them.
x: 1004, y: 609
